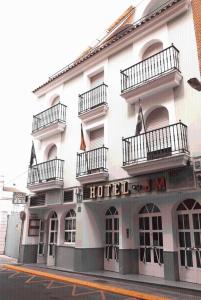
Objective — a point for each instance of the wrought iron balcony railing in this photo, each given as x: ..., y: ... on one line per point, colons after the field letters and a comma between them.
x: 92, y: 161
x: 150, y: 68
x: 49, y: 170
x: 92, y: 98
x: 56, y: 113
x: 162, y: 142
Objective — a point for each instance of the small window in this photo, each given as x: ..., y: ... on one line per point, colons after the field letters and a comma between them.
x: 70, y: 227
x: 68, y: 196
x: 34, y: 226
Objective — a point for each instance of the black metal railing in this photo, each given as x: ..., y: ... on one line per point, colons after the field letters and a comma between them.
x: 49, y: 170
x: 92, y: 161
x: 158, y: 143
x: 92, y: 98
x: 56, y: 113
x: 154, y: 66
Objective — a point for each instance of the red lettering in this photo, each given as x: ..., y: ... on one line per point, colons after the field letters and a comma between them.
x: 160, y: 184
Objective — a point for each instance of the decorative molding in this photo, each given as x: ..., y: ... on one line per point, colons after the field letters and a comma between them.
x: 95, y: 177
x: 94, y: 113
x: 49, y: 130
x: 151, y: 166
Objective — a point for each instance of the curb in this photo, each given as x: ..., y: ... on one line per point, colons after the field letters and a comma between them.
x: 89, y: 284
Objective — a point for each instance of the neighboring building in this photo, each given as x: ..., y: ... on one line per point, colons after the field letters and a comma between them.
x: 130, y: 203
x: 11, y: 204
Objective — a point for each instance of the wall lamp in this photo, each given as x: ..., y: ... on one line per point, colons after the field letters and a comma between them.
x: 195, y: 84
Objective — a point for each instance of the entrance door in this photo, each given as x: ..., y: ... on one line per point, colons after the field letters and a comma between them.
x: 111, y: 255
x: 189, y: 231
x: 52, y: 239
x: 151, y: 241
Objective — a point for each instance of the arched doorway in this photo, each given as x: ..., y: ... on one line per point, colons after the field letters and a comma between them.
x: 111, y: 255
x: 52, y: 238
x: 151, y: 241
x: 189, y: 240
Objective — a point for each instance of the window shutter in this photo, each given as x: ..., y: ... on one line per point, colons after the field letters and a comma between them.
x: 96, y: 138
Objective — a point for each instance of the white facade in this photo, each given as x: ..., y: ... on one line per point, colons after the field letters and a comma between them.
x: 166, y: 99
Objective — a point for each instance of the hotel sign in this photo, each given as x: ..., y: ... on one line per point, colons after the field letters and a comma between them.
x: 125, y: 188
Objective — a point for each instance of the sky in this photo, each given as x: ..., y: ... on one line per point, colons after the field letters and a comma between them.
x: 38, y: 38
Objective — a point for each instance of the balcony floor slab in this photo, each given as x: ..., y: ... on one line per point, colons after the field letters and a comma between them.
x: 160, y: 164
x: 149, y: 87
x: 49, y: 130
x: 94, y: 177
x: 45, y: 186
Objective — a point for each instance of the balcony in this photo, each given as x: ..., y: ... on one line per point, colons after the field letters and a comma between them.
x: 152, y: 75
x: 49, y: 122
x: 46, y: 176
x: 92, y: 165
x: 157, y: 150
x: 93, y: 103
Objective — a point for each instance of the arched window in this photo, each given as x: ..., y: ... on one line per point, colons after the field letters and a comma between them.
x: 158, y: 118
x: 70, y: 227
x: 52, y: 154
x: 55, y: 100
x: 152, y: 49
x: 149, y: 208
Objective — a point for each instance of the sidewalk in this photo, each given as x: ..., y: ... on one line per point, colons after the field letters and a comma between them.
x: 102, y: 276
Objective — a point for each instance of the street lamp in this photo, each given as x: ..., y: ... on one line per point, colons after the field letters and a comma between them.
x: 195, y: 84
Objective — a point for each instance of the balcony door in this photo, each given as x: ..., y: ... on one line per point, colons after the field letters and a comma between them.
x: 52, y: 239
x: 111, y: 253
x: 151, y: 241
x: 96, y: 157
x: 189, y: 237
x: 158, y: 136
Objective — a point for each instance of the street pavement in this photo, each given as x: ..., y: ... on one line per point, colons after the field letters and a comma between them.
x: 17, y: 285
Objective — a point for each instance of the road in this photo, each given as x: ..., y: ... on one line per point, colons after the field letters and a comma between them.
x: 20, y: 286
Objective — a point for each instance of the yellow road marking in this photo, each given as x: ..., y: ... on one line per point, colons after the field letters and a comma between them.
x: 89, y: 284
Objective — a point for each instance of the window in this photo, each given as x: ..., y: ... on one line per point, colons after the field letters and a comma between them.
x: 34, y: 226
x: 70, y: 227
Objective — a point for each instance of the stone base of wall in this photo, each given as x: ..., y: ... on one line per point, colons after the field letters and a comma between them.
x: 28, y: 254
x: 128, y: 261
x: 171, y: 265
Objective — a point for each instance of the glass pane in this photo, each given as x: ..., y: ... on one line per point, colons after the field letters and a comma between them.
x: 116, y: 238
x: 159, y: 223
x: 155, y: 239
x: 141, y: 238
x: 109, y: 224
x: 161, y: 256
x: 141, y: 254
x: 189, y: 203
x: 195, y: 221
x: 70, y: 224
x: 181, y: 239
x: 50, y: 249
x: 182, y: 257
x: 110, y: 252
x: 74, y: 224
x: 116, y: 224
x: 197, y: 239
x: 51, y: 237
x: 146, y: 223
x: 52, y: 224
x: 141, y: 224
x: 73, y: 236
x: 160, y: 239
x: 109, y: 237
x: 156, y: 255
x: 181, y: 207
x: 188, y: 239
x: 154, y: 223
x: 148, y: 255
x: 147, y: 238
x: 189, y: 258
x: 198, y: 259
x: 180, y: 221
x: 66, y: 236
x: 186, y: 222
x: 40, y: 249
x: 106, y: 224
